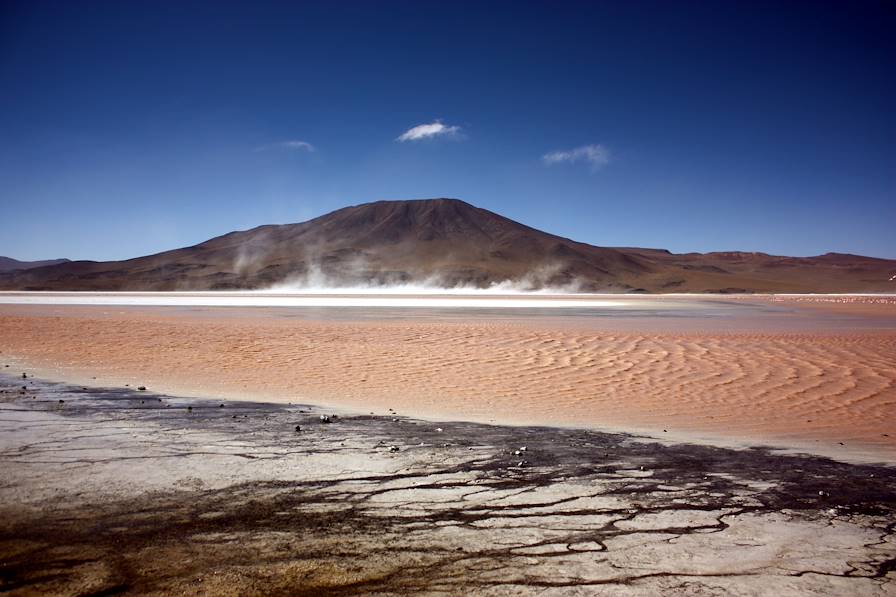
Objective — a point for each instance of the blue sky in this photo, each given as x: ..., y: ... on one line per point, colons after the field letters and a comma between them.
x: 128, y: 128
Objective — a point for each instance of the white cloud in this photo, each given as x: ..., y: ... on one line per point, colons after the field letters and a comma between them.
x: 597, y: 156
x: 426, y: 131
x: 291, y: 144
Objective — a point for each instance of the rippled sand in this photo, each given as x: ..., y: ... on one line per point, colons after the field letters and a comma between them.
x: 806, y: 377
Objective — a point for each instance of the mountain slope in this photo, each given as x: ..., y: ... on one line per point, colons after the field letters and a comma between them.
x: 446, y: 242
x: 9, y: 264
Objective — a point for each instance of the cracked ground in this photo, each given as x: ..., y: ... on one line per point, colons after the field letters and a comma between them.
x: 114, y: 490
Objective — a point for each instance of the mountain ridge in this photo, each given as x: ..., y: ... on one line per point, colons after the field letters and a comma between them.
x: 9, y: 264
x: 448, y: 243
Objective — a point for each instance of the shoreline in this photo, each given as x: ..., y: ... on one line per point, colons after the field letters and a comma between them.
x: 124, y: 490
x: 857, y: 454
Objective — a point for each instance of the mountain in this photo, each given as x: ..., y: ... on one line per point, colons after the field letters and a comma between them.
x: 448, y: 243
x: 9, y: 264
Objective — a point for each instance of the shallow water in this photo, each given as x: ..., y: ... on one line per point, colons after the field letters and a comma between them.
x: 679, y: 312
x: 815, y: 373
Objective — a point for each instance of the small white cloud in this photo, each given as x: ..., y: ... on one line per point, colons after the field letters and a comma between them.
x: 291, y: 144
x: 426, y: 131
x: 597, y: 156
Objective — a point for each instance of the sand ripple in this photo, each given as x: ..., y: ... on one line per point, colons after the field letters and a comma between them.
x: 761, y: 385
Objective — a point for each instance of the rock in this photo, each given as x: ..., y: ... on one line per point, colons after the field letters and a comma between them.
x: 394, y: 448
x: 522, y: 463
x: 24, y: 376
x: 62, y: 402
x: 189, y: 409
x: 298, y: 427
x: 325, y: 419
x: 220, y: 406
x: 438, y: 430
x: 141, y: 388
x: 523, y: 449
x: 516, y: 452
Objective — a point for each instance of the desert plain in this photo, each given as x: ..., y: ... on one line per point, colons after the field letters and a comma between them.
x: 577, y: 445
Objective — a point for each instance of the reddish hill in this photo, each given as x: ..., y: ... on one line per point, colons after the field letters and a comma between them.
x: 447, y: 242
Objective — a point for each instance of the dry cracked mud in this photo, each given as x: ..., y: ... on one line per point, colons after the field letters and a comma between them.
x: 113, y: 490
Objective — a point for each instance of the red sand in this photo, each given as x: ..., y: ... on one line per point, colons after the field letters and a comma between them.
x: 800, y: 388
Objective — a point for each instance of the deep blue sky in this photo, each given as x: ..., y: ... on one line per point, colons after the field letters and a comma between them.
x: 133, y: 127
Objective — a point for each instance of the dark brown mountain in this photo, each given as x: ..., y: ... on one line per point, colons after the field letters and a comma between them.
x: 446, y: 242
x: 9, y: 264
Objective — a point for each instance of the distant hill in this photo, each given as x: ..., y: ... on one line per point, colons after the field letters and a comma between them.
x: 448, y: 243
x: 9, y: 264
